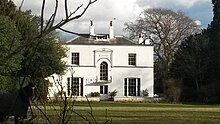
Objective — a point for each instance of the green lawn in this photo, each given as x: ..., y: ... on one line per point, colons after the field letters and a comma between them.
x: 147, y: 113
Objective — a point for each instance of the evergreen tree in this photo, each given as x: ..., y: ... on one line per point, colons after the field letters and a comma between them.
x: 215, y: 24
x: 9, y: 40
x: 22, y: 54
x: 214, y: 43
x: 45, y: 58
x: 197, y: 62
x: 191, y: 64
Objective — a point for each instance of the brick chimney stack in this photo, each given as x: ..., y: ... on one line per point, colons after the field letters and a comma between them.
x: 140, y: 39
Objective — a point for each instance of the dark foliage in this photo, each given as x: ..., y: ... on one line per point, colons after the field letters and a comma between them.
x: 197, y: 63
x: 15, y: 103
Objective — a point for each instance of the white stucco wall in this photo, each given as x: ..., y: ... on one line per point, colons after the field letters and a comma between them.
x: 120, y: 54
x: 117, y: 58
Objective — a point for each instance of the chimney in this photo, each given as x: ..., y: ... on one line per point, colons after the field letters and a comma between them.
x: 91, y: 28
x: 147, y: 40
x: 111, y: 31
x: 140, y: 39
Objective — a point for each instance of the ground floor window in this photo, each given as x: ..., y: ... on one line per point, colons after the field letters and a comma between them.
x: 132, y: 86
x: 104, y: 89
x: 75, y: 86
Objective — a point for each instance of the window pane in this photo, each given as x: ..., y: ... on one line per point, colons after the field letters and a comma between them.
x: 75, y: 86
x: 132, y: 87
x: 139, y: 87
x: 75, y: 58
x: 103, y: 71
x: 81, y: 87
x: 131, y: 59
x: 125, y: 86
x: 101, y: 89
x: 106, y: 89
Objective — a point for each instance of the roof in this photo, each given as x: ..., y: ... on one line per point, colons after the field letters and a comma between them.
x: 100, y: 39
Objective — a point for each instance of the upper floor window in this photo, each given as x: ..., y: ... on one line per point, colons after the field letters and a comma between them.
x: 75, y: 58
x: 131, y: 59
x: 103, y: 71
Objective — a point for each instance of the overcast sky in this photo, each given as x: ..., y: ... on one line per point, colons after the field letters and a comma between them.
x: 120, y: 11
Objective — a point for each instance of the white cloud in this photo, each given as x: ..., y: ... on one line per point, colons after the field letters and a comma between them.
x: 199, y: 23
x: 186, y: 3
x: 169, y: 3
x: 137, y: 10
x: 105, y: 10
x: 101, y: 12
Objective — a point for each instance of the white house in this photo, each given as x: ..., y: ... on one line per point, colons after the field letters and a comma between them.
x: 104, y: 63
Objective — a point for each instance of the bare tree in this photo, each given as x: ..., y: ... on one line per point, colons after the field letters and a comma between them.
x: 166, y: 28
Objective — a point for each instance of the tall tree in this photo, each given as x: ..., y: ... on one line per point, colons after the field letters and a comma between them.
x: 7, y: 8
x: 216, y: 12
x: 191, y: 61
x: 44, y: 59
x: 167, y: 29
x: 214, y: 44
x: 197, y: 62
x: 41, y: 58
x: 9, y: 40
x: 51, y: 25
x: 24, y: 23
x: 34, y: 30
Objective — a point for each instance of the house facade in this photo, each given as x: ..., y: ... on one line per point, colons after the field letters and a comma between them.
x: 104, y: 63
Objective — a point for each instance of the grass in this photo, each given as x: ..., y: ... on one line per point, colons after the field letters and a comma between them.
x: 147, y: 113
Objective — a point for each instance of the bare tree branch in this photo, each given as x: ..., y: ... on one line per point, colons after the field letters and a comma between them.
x: 42, y: 17
x: 66, y: 20
x: 50, y: 26
x: 66, y: 9
x: 52, y: 17
x: 168, y: 28
x: 22, y: 2
x: 54, y: 14
x: 91, y: 111
x: 71, y: 13
x: 44, y: 114
x: 71, y: 32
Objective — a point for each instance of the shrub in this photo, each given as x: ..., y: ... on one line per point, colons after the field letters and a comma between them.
x: 173, y: 90
x: 95, y: 94
x: 113, y: 93
x: 209, y: 93
x: 145, y: 92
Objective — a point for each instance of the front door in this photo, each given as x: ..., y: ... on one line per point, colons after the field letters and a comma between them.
x: 103, y: 92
